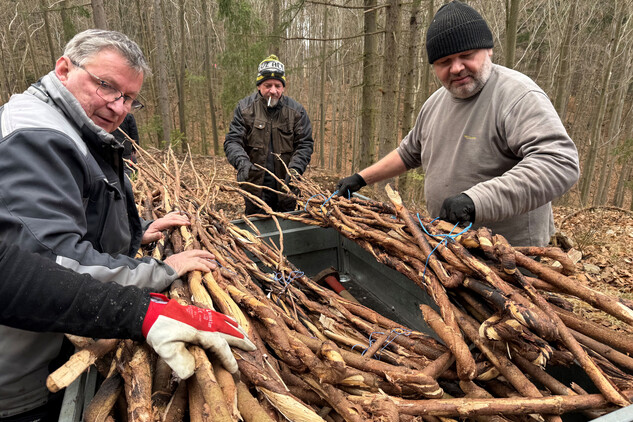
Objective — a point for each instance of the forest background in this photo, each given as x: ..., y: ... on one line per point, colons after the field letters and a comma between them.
x: 358, y: 66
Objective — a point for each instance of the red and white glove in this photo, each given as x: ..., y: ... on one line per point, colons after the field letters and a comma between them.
x: 168, y: 325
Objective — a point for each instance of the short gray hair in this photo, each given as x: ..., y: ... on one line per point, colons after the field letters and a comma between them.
x: 86, y: 44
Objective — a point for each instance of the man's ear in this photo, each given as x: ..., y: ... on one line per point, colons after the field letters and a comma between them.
x: 62, y: 67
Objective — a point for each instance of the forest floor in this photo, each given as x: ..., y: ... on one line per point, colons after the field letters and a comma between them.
x: 601, y: 237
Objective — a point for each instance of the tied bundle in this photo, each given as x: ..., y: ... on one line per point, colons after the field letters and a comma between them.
x: 322, y: 357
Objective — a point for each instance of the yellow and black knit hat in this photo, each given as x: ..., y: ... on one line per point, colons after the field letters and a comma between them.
x: 271, y: 68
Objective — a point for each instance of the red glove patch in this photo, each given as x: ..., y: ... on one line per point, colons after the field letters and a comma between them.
x: 198, y: 318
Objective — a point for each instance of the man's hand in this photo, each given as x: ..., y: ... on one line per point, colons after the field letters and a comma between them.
x: 193, y: 260
x: 154, y: 231
x: 243, y: 170
x: 458, y: 209
x: 292, y: 174
x: 168, y: 326
x: 348, y: 185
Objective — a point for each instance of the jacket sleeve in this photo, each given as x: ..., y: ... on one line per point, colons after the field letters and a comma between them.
x: 548, y: 165
x: 132, y: 128
x: 38, y: 295
x: 44, y: 180
x: 235, y: 138
x: 303, y: 143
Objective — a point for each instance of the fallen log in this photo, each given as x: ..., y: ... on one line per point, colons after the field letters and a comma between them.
x: 471, y: 407
x: 78, y: 364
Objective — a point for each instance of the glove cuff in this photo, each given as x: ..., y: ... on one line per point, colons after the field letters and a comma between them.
x: 359, y: 179
x: 154, y: 310
x: 243, y: 163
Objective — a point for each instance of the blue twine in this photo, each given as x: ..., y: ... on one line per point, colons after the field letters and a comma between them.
x: 396, y: 331
x: 313, y: 196
x: 444, y: 237
x: 322, y: 195
x: 286, y: 281
x: 222, y: 266
x: 331, y: 196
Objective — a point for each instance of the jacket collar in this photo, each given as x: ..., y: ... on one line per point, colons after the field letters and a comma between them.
x: 50, y: 90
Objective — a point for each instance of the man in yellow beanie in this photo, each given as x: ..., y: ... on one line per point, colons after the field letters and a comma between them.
x: 264, y: 124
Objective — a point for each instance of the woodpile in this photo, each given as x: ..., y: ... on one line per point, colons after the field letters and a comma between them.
x: 504, y: 321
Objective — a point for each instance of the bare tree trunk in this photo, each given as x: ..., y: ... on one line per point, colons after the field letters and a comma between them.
x: 426, y: 74
x: 336, y: 116
x: 339, y: 137
x: 408, y: 70
x: 6, y: 84
x: 614, y: 136
x: 182, y: 77
x: 99, y: 14
x: 512, y: 17
x: 207, y: 58
x: 4, y: 90
x: 274, y: 36
x: 49, y: 37
x: 623, y: 179
x: 356, y: 144
x: 563, y: 74
x: 202, y: 118
x: 388, y: 116
x: 161, y: 74
x: 408, y: 77
x: 29, y: 43
x: 370, y: 81
x: 625, y: 175
x: 322, y: 104
x: 596, y: 125
x: 67, y: 21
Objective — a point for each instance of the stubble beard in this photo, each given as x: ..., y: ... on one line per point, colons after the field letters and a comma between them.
x: 272, y: 101
x: 479, y: 80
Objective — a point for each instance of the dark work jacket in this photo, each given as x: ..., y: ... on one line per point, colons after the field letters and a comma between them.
x: 253, y: 127
x: 38, y: 295
x: 63, y: 196
x: 129, y: 127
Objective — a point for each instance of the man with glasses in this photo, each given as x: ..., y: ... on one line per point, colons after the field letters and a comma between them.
x: 64, y: 196
x: 265, y: 124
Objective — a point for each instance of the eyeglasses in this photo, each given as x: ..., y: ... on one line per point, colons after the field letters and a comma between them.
x: 110, y: 93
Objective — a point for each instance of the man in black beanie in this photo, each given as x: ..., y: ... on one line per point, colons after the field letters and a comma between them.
x: 267, y: 123
x: 493, y: 148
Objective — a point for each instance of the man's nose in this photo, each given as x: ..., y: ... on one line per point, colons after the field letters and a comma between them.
x: 120, y: 105
x: 456, y: 66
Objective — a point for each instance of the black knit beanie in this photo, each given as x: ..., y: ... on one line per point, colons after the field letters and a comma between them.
x: 456, y: 27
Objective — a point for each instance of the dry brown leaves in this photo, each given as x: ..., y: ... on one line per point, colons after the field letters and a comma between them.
x: 604, y: 236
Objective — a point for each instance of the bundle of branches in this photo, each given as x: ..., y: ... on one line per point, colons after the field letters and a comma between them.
x: 315, y: 358
x: 499, y: 323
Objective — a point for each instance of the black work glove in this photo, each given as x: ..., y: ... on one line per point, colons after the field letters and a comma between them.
x: 243, y: 169
x: 348, y: 185
x: 458, y: 209
x: 291, y: 172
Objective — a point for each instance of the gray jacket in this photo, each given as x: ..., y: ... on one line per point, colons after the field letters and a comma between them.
x: 62, y: 195
x: 505, y: 148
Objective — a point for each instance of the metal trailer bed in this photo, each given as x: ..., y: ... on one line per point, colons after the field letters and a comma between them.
x: 312, y: 249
